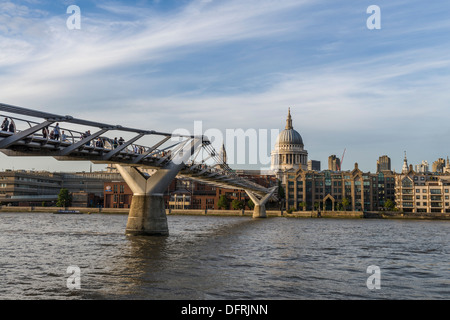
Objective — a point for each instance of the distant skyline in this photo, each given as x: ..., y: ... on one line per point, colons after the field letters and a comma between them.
x: 163, y: 65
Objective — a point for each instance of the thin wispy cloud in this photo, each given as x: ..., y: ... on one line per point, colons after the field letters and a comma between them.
x: 239, y: 64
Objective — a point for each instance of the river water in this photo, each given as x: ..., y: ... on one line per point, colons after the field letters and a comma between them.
x: 222, y: 258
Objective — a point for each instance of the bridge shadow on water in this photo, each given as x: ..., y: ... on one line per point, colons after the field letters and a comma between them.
x: 184, y: 265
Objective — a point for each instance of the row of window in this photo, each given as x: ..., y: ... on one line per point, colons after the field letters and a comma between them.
x: 119, y: 187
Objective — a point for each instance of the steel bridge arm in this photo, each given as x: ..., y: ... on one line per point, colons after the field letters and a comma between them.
x: 149, y: 152
x: 23, y: 134
x: 66, y: 151
x: 116, y: 151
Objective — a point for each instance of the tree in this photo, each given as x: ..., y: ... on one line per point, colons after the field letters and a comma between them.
x: 281, y: 193
x: 302, y: 205
x: 389, y: 205
x: 64, y: 198
x: 250, y: 204
x: 316, y: 205
x: 345, y: 203
x: 237, y: 205
x: 223, y: 202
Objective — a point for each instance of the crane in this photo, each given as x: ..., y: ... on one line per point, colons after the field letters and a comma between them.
x: 342, y: 160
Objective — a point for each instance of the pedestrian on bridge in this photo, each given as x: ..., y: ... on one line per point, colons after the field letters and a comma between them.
x: 5, y: 124
x: 12, y: 127
x: 63, y: 136
x: 56, y: 132
x: 45, y: 132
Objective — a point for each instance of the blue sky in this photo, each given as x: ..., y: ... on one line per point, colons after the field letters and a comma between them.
x: 239, y: 64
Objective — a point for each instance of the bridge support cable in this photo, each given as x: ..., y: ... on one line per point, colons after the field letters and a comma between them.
x: 147, y: 214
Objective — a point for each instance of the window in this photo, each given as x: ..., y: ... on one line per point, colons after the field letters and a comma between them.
x: 406, y: 183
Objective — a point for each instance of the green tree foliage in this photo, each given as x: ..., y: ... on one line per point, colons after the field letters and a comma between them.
x: 237, y: 205
x: 345, y: 203
x: 389, y: 205
x: 302, y: 205
x: 223, y: 202
x: 281, y: 193
x: 250, y: 204
x: 64, y: 198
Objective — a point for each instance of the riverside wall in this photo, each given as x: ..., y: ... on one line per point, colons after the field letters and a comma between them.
x: 246, y: 213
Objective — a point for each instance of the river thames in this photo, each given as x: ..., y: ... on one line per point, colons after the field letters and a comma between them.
x: 222, y: 258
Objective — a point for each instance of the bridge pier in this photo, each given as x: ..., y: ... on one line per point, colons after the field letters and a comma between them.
x: 147, y: 216
x: 260, y: 203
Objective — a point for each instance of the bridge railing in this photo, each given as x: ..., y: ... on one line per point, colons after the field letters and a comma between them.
x: 64, y: 137
x: 46, y: 138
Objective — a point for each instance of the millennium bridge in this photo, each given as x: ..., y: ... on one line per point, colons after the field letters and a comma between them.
x: 31, y: 133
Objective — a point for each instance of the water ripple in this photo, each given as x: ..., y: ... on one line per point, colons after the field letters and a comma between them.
x: 222, y: 258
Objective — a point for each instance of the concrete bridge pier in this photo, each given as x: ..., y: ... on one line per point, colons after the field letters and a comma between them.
x: 260, y: 203
x: 147, y: 216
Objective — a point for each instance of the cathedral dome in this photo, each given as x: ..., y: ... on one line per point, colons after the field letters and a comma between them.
x: 289, y: 136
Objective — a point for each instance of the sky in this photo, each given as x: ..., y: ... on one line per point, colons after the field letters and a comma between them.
x: 163, y: 65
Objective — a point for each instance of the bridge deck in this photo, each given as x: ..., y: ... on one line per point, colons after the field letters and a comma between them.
x: 28, y: 138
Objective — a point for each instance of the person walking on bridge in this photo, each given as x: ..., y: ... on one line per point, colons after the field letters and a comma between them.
x: 56, y: 132
x: 5, y: 124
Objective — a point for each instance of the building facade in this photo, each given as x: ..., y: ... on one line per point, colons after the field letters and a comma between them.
x: 334, y: 163
x: 345, y: 190
x: 422, y: 192
x: 41, y: 188
x: 314, y: 165
x: 29, y: 188
x: 187, y: 194
x: 383, y: 164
